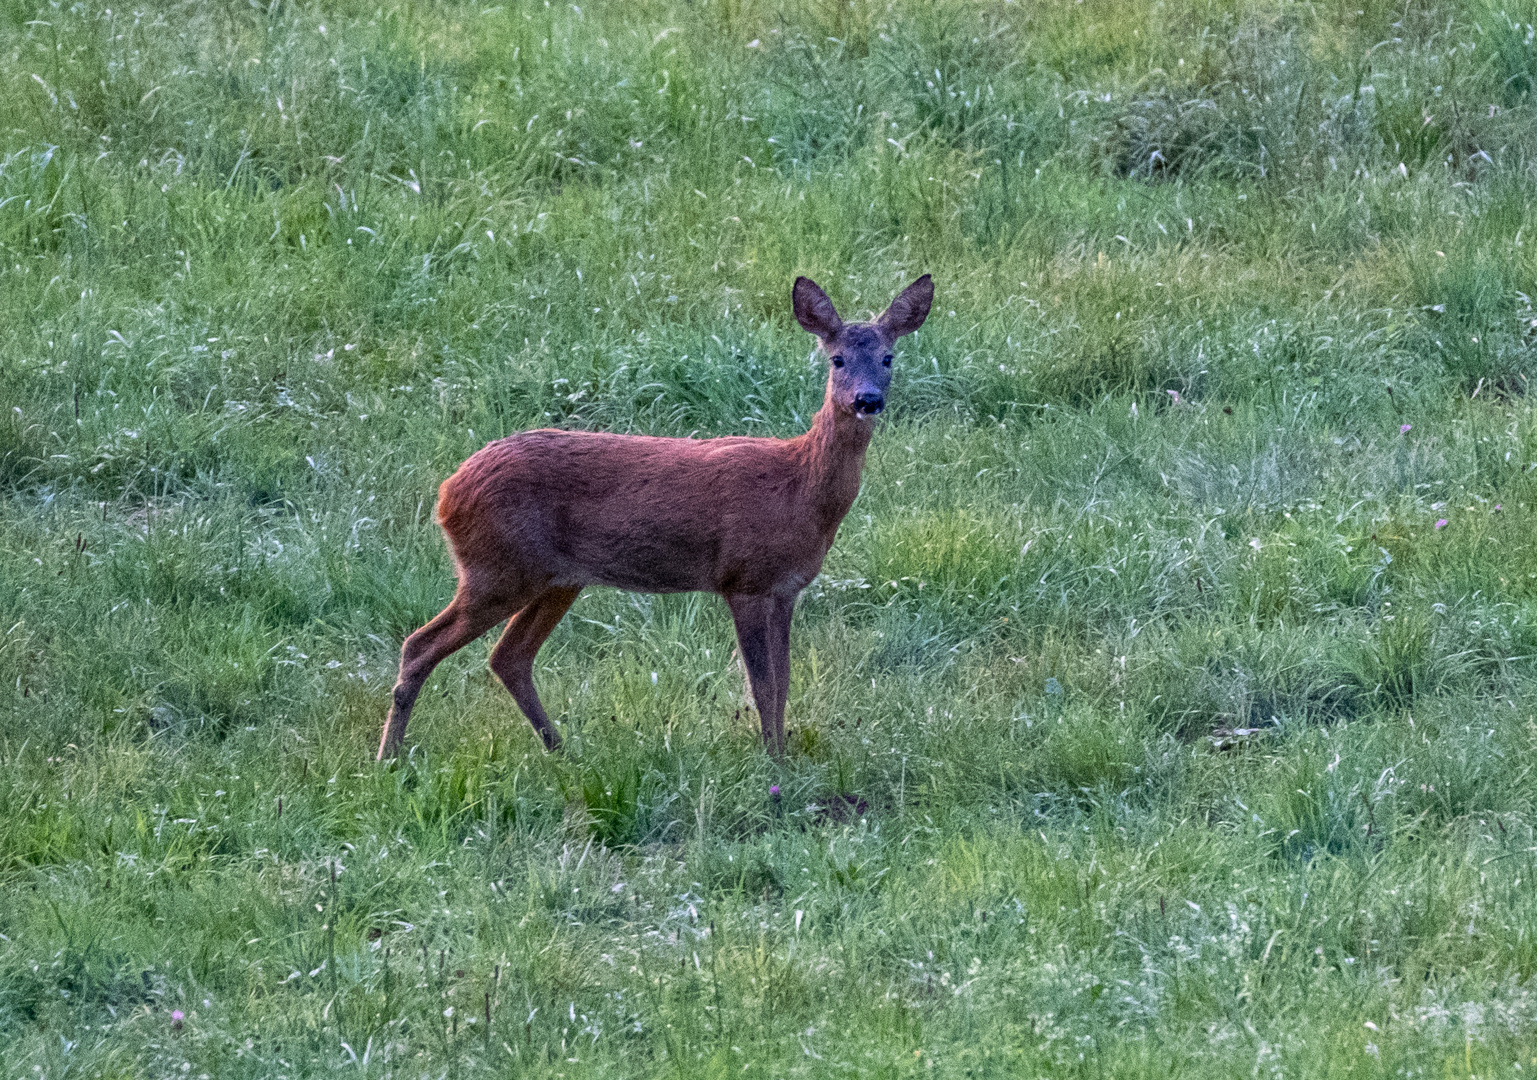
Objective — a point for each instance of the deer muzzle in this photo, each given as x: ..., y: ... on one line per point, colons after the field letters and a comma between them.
x: 868, y: 404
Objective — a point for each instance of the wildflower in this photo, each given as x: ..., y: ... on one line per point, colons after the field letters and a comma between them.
x: 774, y: 792
x: 177, y: 1016
x: 1404, y: 429
x: 1441, y: 524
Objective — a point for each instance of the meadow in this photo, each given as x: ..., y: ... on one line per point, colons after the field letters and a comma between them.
x: 1166, y: 706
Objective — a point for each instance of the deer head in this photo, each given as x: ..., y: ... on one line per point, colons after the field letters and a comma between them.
x: 859, y: 354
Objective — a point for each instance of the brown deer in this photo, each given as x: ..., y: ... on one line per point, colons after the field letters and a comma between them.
x: 534, y: 518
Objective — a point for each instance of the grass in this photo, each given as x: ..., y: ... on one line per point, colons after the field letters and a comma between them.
x: 1167, y: 705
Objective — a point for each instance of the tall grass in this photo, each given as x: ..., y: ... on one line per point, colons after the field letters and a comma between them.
x: 1166, y: 704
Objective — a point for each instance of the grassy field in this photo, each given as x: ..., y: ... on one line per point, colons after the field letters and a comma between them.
x: 1165, y: 708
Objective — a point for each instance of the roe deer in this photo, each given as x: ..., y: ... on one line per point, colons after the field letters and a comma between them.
x: 535, y: 517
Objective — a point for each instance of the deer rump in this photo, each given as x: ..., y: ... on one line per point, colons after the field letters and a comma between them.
x: 568, y: 509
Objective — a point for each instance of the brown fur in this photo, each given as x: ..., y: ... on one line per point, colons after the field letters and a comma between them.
x: 534, y: 518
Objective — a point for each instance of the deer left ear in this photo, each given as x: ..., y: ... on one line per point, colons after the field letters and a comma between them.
x: 908, y: 311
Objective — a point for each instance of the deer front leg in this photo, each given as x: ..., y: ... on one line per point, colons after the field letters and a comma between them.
x: 779, y: 645
x: 754, y: 620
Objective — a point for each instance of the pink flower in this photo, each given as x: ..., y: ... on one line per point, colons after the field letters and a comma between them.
x: 774, y: 792
x: 177, y: 1016
x: 1441, y: 524
x: 1404, y: 429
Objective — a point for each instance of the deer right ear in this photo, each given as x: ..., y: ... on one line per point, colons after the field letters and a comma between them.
x: 813, y: 310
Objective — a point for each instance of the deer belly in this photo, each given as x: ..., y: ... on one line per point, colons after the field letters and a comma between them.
x: 659, y: 561
x: 669, y: 559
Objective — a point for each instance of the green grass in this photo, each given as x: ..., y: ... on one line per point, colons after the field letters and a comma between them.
x: 1146, y: 719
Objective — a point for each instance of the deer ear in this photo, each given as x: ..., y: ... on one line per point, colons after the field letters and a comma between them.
x: 908, y: 311
x: 813, y: 310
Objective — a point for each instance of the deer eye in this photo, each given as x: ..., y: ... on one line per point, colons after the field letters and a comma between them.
x: 885, y: 361
x: 837, y: 361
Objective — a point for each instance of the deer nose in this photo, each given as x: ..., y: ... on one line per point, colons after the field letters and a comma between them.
x: 869, y: 403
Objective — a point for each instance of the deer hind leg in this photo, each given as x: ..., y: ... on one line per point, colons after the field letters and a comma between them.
x: 513, y: 657
x: 464, y: 620
x: 754, y: 620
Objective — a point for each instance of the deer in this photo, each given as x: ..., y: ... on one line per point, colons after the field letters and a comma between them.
x: 534, y: 518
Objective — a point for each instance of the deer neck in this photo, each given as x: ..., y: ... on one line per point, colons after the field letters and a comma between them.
x: 833, y: 455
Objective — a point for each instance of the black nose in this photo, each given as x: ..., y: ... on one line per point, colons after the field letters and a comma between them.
x: 869, y: 404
